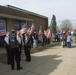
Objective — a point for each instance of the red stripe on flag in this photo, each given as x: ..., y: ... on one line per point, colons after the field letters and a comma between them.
x: 48, y: 33
x: 29, y: 31
x: 2, y: 32
x: 40, y: 38
x: 23, y: 30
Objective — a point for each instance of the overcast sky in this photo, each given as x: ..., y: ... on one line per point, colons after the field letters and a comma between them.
x: 62, y: 9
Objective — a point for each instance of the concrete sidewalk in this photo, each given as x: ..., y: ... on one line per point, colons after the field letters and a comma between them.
x: 53, y: 61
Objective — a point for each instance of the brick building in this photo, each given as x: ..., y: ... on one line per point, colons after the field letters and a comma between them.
x: 14, y: 17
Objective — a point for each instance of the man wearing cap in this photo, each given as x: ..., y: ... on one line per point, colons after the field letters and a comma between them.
x: 14, y: 45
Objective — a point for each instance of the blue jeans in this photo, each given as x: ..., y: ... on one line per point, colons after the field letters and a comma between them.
x: 68, y: 44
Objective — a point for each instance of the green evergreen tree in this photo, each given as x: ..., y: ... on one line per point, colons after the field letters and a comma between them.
x: 53, y: 25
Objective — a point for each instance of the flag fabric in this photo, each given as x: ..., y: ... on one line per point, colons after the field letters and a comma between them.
x: 48, y: 33
x: 28, y: 31
x: 40, y: 32
x: 31, y: 29
x: 40, y: 35
x: 23, y: 29
x: 45, y: 32
x: 2, y: 29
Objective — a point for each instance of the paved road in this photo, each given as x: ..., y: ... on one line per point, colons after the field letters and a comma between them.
x: 52, y: 61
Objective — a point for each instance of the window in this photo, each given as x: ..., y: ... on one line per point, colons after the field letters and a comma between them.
x: 23, y: 23
x: 16, y: 26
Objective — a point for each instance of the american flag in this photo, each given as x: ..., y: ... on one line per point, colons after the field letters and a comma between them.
x: 23, y: 29
x: 48, y: 33
x: 40, y: 38
x: 2, y: 29
x: 31, y: 29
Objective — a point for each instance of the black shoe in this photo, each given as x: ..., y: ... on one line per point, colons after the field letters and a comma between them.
x: 12, y: 68
x: 27, y: 60
x: 19, y: 68
x: 8, y: 63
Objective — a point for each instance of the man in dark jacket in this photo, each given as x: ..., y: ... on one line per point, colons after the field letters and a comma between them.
x: 14, y: 45
x: 27, y: 47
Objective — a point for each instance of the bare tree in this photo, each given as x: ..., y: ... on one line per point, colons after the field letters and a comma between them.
x: 66, y: 25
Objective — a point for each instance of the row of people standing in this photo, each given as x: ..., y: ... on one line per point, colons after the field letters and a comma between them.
x: 66, y: 40
x: 37, y: 39
x: 14, y: 44
x: 40, y: 39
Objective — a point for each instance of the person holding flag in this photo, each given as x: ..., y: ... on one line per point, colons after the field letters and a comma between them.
x: 27, y: 47
x: 44, y: 38
x: 48, y: 36
x: 40, y: 35
x: 14, y: 53
x: 30, y: 32
x: 23, y: 29
x: 31, y: 29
